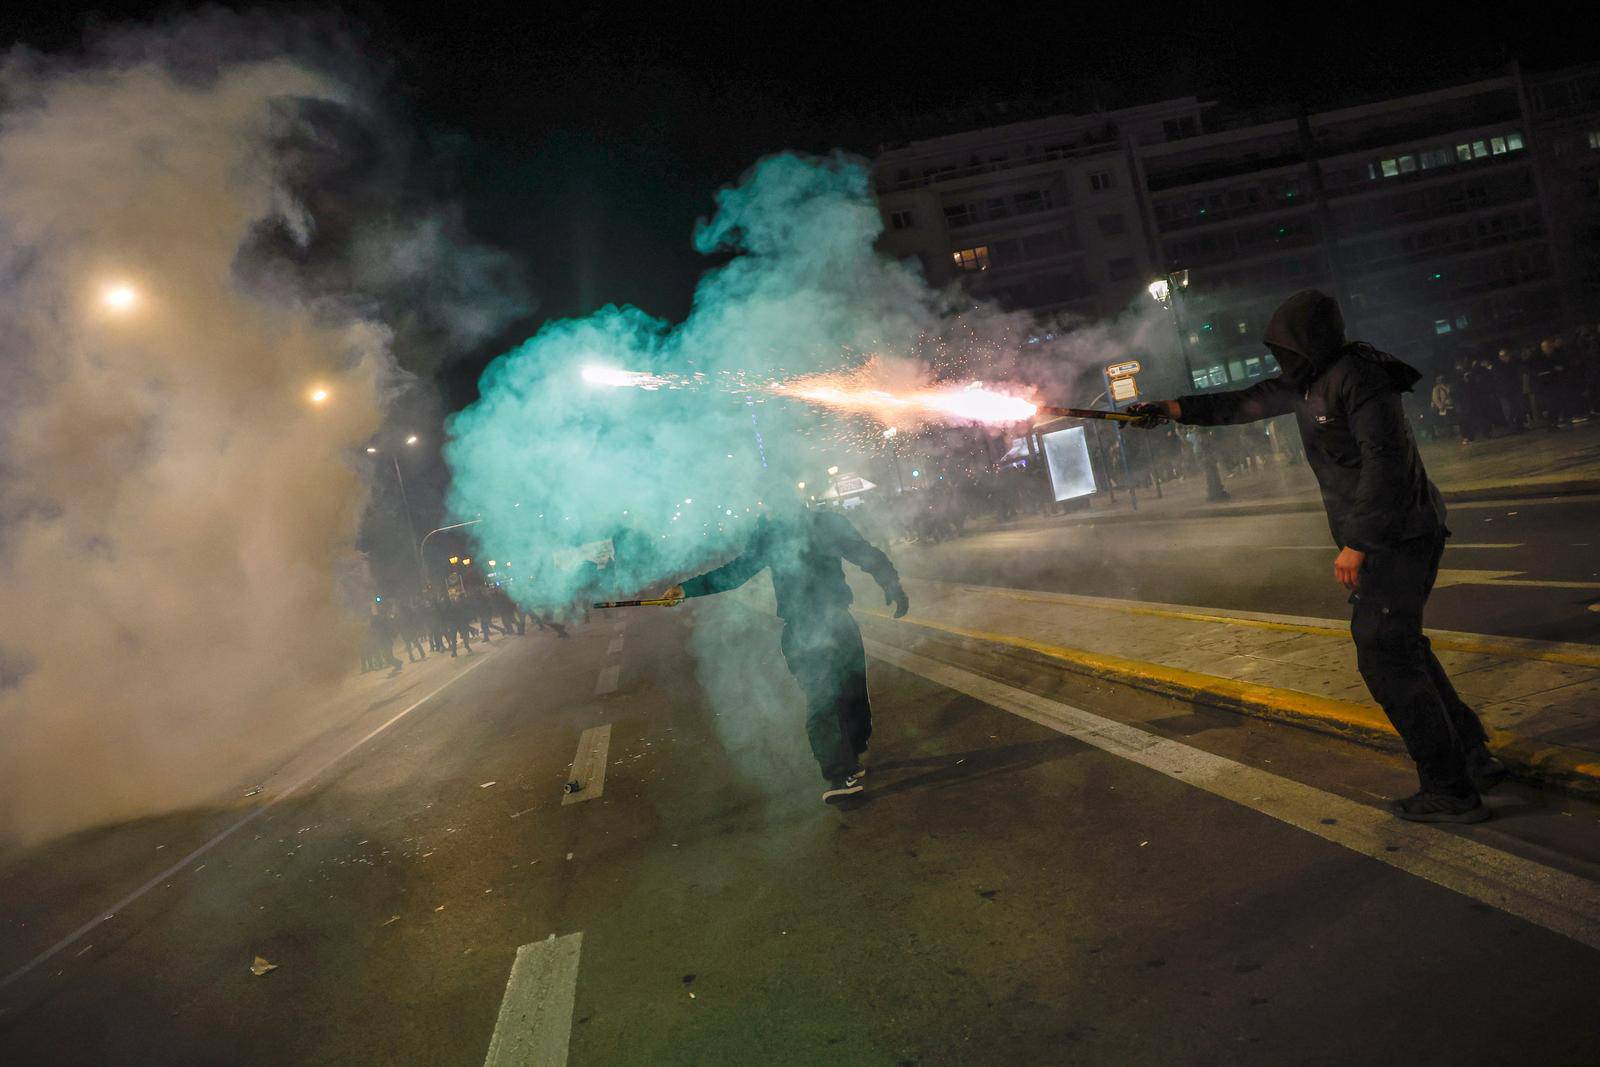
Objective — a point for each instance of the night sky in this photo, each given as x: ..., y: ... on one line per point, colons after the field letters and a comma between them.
x: 587, y: 140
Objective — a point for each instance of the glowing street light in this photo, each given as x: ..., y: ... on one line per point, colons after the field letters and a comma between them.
x: 891, y: 432
x: 832, y: 471
x: 119, y: 297
x: 371, y: 451
x: 1160, y: 289
x: 319, y: 395
x: 411, y: 440
x: 800, y: 486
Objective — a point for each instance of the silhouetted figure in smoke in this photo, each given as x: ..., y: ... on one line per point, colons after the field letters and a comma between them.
x: 380, y: 636
x: 408, y: 620
x: 434, y: 621
x: 480, y: 609
x: 453, y: 611
x: 821, y: 642
x: 1387, y: 519
x: 510, y: 614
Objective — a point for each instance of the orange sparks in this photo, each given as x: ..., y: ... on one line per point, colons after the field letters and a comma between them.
x: 863, y: 392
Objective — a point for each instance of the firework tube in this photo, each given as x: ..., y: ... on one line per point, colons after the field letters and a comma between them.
x: 654, y: 602
x: 1095, y: 413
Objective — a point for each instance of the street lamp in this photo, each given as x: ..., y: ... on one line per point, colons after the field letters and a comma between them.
x: 1163, y: 290
x: 318, y: 395
x: 119, y: 297
x: 405, y: 502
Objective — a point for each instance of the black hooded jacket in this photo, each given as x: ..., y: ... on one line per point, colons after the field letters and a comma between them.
x: 1346, y: 398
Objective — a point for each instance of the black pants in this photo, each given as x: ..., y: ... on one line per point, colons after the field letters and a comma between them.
x: 825, y: 656
x: 1402, y: 672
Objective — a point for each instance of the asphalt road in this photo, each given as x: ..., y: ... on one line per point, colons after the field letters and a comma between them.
x: 1004, y: 891
x: 1522, y: 567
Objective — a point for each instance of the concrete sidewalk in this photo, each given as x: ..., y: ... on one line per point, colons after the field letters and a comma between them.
x: 1540, y: 700
x: 1538, y: 463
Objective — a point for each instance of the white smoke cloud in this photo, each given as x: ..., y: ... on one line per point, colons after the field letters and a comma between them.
x: 177, y: 507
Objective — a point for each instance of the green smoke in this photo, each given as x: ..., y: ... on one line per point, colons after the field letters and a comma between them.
x: 673, y: 475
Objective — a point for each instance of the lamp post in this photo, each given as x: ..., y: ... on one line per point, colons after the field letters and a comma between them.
x: 405, y: 503
x: 891, y: 435
x: 1165, y: 291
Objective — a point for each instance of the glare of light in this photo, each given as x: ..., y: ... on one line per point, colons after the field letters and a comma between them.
x: 891, y: 431
x: 411, y: 440
x: 371, y: 451
x: 455, y: 559
x: 1160, y: 290
x: 614, y: 377
x: 800, y: 486
x: 119, y: 297
x: 491, y: 563
x: 319, y: 395
x: 916, y: 473
x: 833, y: 471
x: 467, y: 562
x: 688, y: 500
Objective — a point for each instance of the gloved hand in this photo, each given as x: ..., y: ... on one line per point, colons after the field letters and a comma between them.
x: 897, y: 597
x: 675, y: 594
x: 1153, y: 412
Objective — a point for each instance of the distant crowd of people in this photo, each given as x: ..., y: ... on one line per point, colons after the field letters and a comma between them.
x: 446, y: 623
x: 1545, y: 386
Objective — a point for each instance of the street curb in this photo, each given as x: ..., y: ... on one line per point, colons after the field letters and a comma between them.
x: 1570, y: 769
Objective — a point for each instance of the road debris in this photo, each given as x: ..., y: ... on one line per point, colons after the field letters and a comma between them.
x: 439, y: 908
x: 391, y: 920
x: 261, y: 967
x: 252, y: 792
x: 572, y: 787
x: 486, y: 785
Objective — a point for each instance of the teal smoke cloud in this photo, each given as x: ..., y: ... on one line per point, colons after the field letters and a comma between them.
x: 673, y: 474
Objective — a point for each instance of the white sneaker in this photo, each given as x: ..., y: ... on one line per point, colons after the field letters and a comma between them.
x: 843, y: 787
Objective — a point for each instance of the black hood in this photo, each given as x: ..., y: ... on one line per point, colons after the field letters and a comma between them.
x: 1306, y: 334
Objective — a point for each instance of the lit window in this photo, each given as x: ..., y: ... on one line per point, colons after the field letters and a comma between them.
x: 1236, y: 370
x: 902, y: 220
x: 1461, y: 322
x: 972, y: 258
x: 1244, y: 327
x: 1435, y: 157
x: 1390, y: 169
x: 1497, y: 145
x: 1101, y: 180
x: 1441, y: 325
x: 1514, y: 141
x: 1408, y: 164
x: 1372, y: 171
x: 1594, y: 138
x: 1194, y: 338
x: 1463, y: 153
x: 1479, y: 149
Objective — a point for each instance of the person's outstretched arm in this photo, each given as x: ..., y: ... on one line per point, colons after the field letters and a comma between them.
x: 731, y: 575
x: 1263, y: 400
x: 848, y: 542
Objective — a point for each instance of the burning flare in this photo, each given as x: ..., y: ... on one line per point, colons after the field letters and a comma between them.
x: 869, y: 390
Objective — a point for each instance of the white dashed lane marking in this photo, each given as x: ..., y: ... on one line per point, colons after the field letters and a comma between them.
x: 534, y: 1028
x: 608, y: 680
x: 589, y: 765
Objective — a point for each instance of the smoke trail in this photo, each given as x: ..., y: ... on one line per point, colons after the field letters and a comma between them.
x: 180, y: 388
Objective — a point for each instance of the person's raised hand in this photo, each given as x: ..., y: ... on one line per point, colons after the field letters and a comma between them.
x: 897, y: 597
x: 674, y: 596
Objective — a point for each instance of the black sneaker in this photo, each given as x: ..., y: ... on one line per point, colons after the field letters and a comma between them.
x: 1484, y: 770
x: 1440, y: 807
x: 843, y: 787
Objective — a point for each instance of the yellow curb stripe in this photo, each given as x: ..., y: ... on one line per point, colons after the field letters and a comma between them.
x: 1443, y: 644
x: 1575, y: 768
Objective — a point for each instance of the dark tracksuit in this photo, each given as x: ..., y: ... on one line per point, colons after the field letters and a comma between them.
x: 1346, y: 399
x: 821, y: 642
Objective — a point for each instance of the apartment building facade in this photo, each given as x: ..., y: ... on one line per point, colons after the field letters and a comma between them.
x: 1446, y: 222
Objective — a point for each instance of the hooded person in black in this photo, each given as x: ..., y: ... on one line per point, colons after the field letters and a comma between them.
x: 821, y: 642
x: 1387, y: 519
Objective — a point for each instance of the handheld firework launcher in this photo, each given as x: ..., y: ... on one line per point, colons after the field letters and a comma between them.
x: 1143, y: 420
